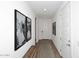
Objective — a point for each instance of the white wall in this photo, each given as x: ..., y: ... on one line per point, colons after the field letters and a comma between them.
x: 62, y: 37
x: 45, y: 26
x: 75, y: 28
x: 7, y: 28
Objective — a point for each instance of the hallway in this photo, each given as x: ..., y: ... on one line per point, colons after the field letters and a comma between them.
x: 47, y: 49
x: 39, y: 29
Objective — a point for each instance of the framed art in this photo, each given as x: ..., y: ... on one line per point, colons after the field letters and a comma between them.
x: 28, y: 28
x: 22, y: 29
x: 54, y: 28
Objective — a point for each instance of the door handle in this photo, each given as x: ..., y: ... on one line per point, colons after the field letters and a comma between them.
x: 42, y: 31
x: 68, y: 44
x: 69, y: 41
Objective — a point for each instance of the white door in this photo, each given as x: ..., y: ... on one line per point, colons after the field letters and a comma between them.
x: 65, y: 32
x: 44, y: 29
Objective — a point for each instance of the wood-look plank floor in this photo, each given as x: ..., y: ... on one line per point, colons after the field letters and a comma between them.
x: 47, y: 49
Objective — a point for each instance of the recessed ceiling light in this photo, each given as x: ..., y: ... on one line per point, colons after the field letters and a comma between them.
x: 45, y: 9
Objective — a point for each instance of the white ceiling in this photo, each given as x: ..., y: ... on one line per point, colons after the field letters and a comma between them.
x: 39, y: 6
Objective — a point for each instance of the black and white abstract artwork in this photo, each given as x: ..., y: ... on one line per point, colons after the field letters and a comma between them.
x: 28, y: 28
x: 54, y: 28
x: 22, y: 29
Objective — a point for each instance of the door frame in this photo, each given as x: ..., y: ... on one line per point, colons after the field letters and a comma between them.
x: 35, y: 30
